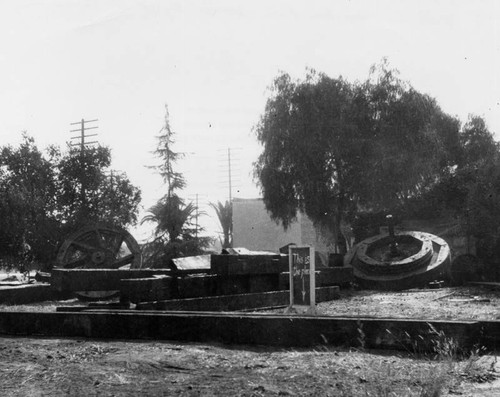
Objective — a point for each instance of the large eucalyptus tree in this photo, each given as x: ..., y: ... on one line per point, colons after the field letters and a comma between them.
x: 331, y: 147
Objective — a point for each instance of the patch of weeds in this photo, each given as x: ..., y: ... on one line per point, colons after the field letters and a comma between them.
x: 435, y: 370
x: 433, y: 344
x: 379, y: 381
x: 361, y: 336
x: 432, y: 381
x: 469, y: 365
x: 397, y: 379
x: 478, y: 370
x: 344, y: 389
x: 443, y: 348
x: 414, y: 346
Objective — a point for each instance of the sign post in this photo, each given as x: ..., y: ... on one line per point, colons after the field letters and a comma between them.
x: 302, y: 279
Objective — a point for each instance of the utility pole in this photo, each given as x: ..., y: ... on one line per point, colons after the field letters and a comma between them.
x: 230, y: 189
x: 230, y: 172
x: 196, y: 230
x: 83, y: 144
x: 83, y: 135
x: 229, y: 175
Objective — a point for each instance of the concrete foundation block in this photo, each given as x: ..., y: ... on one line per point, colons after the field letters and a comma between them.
x: 236, y: 302
x: 146, y: 289
x: 196, y: 286
x: 225, y: 265
x: 260, y: 329
x: 29, y: 293
x: 98, y: 279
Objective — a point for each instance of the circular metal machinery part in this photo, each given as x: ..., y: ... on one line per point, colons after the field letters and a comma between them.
x: 428, y: 259
x: 99, y: 247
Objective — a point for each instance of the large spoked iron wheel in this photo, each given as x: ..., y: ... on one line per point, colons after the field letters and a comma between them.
x: 100, y: 247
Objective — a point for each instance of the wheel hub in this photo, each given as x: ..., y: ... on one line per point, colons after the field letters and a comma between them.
x: 98, y: 257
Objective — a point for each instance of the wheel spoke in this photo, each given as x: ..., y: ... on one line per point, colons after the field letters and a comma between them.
x: 123, y: 261
x: 80, y: 262
x: 86, y: 247
x: 100, y: 239
x: 117, y: 243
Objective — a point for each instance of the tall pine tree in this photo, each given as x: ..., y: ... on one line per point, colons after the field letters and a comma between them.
x: 176, y: 232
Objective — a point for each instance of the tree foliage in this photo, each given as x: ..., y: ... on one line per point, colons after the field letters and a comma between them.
x: 41, y: 198
x: 176, y: 232
x: 331, y: 147
x: 164, y: 151
x: 477, y: 145
x: 224, y: 214
x: 410, y: 142
x: 308, y: 135
x: 172, y: 217
x: 28, y: 197
x: 470, y: 191
x: 91, y: 192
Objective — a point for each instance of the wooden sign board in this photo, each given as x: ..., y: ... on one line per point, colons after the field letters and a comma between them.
x: 302, y: 279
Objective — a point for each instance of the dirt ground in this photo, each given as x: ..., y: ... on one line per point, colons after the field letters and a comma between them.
x: 55, y: 367
x: 78, y: 367
x: 457, y: 303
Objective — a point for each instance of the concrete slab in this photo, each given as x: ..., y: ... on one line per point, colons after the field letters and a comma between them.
x: 28, y: 293
x: 98, y: 279
x: 237, y: 302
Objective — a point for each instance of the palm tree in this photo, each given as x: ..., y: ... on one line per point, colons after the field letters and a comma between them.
x: 170, y: 215
x: 225, y: 214
x: 175, y: 232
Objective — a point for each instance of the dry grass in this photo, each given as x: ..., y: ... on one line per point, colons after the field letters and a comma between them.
x: 458, y: 303
x: 68, y: 367
x: 449, y: 366
x: 65, y: 367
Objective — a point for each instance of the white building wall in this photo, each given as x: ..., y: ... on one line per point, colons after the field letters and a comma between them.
x: 254, y: 229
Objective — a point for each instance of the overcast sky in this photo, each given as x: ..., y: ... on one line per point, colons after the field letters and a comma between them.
x: 121, y: 61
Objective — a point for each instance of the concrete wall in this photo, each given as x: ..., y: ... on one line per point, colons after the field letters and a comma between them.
x: 311, y: 236
x: 251, y: 329
x: 254, y: 229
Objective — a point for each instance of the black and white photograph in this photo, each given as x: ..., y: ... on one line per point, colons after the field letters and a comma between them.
x: 250, y: 198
